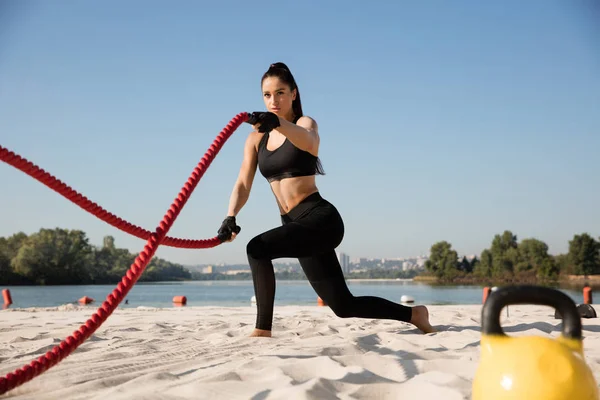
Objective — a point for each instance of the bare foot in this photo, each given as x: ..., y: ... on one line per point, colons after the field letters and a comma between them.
x: 420, y: 319
x: 260, y: 333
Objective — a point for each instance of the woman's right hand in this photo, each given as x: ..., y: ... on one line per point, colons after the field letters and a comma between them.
x: 228, y: 230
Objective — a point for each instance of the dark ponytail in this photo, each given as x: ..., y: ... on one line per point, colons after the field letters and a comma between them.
x: 281, y: 71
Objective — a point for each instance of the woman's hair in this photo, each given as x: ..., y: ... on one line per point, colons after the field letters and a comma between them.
x: 281, y: 71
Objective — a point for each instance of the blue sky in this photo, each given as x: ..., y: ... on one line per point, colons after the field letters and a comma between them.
x: 439, y: 120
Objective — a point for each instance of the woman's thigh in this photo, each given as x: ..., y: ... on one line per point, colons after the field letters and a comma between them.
x: 292, y: 240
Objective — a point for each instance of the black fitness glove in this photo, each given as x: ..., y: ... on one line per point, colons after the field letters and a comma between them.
x: 267, y: 120
x: 227, y: 228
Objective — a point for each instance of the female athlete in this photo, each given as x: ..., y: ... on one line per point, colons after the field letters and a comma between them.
x: 285, y: 147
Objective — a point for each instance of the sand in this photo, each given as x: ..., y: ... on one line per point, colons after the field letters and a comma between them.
x: 205, y: 353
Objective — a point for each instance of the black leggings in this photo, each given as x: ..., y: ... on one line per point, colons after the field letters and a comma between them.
x: 310, y: 232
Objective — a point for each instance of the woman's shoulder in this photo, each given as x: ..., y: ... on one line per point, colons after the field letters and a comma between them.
x: 306, y: 118
x: 254, y: 139
x: 307, y: 122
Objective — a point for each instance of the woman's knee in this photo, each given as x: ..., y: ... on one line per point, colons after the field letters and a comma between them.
x: 336, y: 295
x: 342, y: 309
x: 341, y: 305
x: 257, y: 249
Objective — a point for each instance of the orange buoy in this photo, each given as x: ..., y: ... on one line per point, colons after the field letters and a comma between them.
x: 86, y: 300
x: 587, y: 295
x: 320, y: 302
x: 180, y: 300
x: 6, y: 296
x: 486, y: 292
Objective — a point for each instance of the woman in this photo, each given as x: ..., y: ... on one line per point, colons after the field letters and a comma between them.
x: 285, y: 147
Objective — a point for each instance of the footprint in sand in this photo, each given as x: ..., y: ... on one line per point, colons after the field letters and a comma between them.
x: 39, y: 336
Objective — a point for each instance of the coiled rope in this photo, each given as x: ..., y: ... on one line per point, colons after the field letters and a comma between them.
x: 155, y: 239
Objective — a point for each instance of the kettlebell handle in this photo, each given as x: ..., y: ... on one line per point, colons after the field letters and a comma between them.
x: 529, y: 294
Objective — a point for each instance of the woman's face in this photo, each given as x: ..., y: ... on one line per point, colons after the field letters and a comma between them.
x: 278, y: 97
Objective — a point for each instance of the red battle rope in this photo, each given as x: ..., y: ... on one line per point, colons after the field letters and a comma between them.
x: 136, y: 269
x: 66, y: 191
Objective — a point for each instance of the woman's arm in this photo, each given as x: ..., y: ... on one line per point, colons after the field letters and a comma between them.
x: 304, y: 134
x: 243, y: 184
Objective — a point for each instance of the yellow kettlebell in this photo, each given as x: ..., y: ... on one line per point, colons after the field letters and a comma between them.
x: 530, y: 367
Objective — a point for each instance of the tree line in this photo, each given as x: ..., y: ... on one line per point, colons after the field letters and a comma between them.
x: 509, y: 260
x: 61, y: 257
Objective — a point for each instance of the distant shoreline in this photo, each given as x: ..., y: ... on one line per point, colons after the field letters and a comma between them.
x: 380, y: 279
x: 575, y: 280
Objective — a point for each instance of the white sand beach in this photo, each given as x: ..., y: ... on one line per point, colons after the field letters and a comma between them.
x: 205, y: 353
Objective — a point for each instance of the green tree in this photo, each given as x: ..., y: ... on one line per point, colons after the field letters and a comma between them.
x: 483, y: 268
x: 8, y: 250
x: 100, y: 266
x: 534, y: 258
x: 54, y: 257
x: 465, y: 265
x: 562, y: 263
x: 10, y: 246
x: 160, y: 270
x: 6, y: 272
x: 504, y: 254
x: 65, y: 257
x: 548, y: 269
x: 443, y: 261
x: 584, y: 254
x: 474, y: 263
x: 121, y: 262
x: 108, y: 243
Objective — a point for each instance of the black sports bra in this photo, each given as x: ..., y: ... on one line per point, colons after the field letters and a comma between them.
x: 286, y: 161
